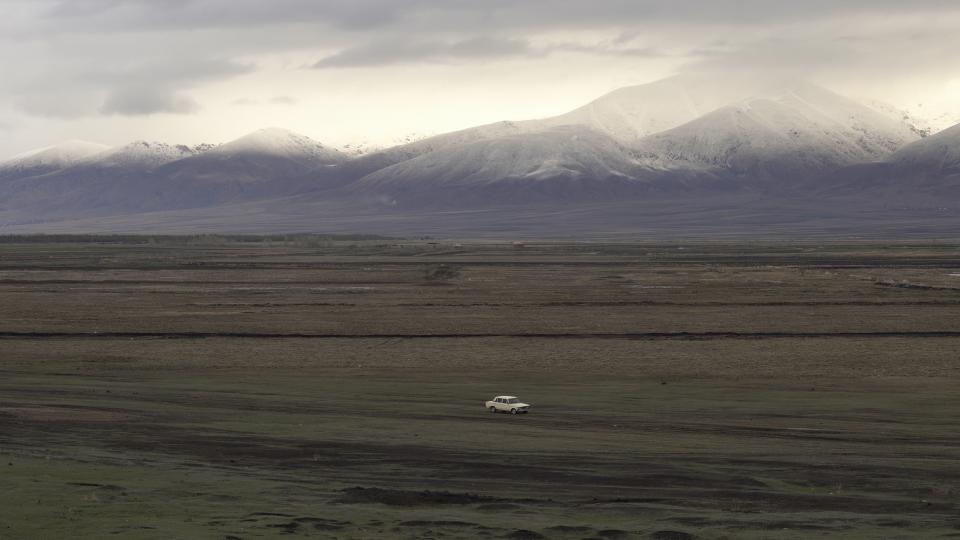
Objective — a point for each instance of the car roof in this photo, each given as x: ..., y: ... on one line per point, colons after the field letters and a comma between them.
x: 506, y: 397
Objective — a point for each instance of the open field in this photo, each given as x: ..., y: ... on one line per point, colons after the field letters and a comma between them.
x: 209, y: 388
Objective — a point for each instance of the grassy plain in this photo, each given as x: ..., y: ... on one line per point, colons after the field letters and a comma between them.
x: 326, y: 388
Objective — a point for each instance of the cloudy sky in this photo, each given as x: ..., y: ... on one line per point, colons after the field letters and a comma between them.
x: 375, y: 71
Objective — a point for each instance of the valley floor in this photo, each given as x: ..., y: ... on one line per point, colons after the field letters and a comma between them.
x: 218, y: 388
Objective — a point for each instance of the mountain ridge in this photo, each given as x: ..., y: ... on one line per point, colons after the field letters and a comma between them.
x: 776, y: 143
x: 49, y: 159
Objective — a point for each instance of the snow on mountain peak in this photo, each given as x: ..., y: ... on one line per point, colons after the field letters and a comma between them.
x: 565, y: 153
x: 282, y: 143
x: 923, y: 127
x: 633, y: 112
x: 145, y: 153
x: 788, y: 129
x: 940, y: 151
x: 54, y: 157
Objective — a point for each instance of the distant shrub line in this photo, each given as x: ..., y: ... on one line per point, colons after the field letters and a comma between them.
x: 186, y: 239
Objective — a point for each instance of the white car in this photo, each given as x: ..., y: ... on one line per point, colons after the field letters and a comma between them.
x: 508, y: 404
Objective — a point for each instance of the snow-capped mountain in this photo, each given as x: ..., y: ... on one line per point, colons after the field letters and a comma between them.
x: 634, y: 112
x: 921, y: 126
x: 564, y: 164
x: 369, y: 163
x: 376, y: 161
x: 528, y: 162
x: 685, y: 141
x: 947, y: 115
x: 923, y: 174
x: 938, y: 153
x: 114, y: 178
x: 280, y: 143
x: 142, y: 154
x: 626, y: 115
x: 269, y: 162
x: 790, y: 131
x: 361, y: 147
x: 49, y: 159
x: 794, y: 131
x: 683, y: 127
x: 144, y: 176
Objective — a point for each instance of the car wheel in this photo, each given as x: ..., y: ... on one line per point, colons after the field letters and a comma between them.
x: 493, y: 409
x: 513, y: 411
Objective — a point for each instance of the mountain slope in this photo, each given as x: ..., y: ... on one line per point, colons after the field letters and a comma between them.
x: 140, y: 155
x: 375, y: 161
x: 634, y: 112
x: 921, y: 126
x: 266, y: 163
x: 142, y: 176
x: 116, y: 179
x: 677, y: 143
x: 936, y: 154
x: 798, y: 131
x: 794, y: 131
x: 560, y: 165
x: 922, y: 174
x: 46, y: 160
x: 624, y: 115
x: 787, y: 129
x: 280, y: 143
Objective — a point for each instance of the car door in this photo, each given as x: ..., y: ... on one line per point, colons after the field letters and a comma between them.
x: 500, y: 404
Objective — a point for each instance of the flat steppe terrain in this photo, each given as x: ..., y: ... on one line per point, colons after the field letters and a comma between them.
x: 333, y: 388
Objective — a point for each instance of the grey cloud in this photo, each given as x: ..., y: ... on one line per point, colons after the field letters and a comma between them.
x: 397, y: 51
x: 380, y: 53
x: 139, y: 101
x: 150, y: 15
x: 376, y: 32
x: 81, y: 8
x: 456, y: 15
x: 635, y: 52
x: 52, y: 104
x: 868, y: 59
x: 172, y: 71
x: 486, y: 47
x: 156, y: 89
x: 142, y: 88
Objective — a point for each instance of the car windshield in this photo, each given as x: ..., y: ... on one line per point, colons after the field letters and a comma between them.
x: 513, y: 400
